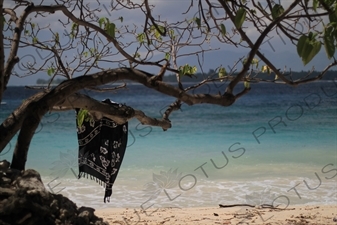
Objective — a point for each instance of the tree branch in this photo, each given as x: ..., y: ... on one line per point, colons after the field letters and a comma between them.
x: 173, y: 107
x: 149, y: 15
x: 66, y: 12
x: 40, y: 104
x: 118, y: 114
x: 2, y: 54
x: 13, y: 123
x: 255, y: 47
x: 13, y: 58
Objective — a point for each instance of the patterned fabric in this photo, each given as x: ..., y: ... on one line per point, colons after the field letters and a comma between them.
x: 102, y: 145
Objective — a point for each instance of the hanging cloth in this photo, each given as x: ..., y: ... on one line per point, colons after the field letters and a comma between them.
x: 102, y: 145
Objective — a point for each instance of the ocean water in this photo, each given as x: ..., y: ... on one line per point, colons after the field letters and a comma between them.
x: 275, y: 145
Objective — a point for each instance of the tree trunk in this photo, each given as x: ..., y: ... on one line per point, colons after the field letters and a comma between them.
x: 26, y: 134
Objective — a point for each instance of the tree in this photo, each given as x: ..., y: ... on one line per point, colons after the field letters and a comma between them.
x: 100, y: 43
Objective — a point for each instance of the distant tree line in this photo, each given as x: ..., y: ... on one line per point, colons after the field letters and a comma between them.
x: 329, y: 75
x: 43, y: 81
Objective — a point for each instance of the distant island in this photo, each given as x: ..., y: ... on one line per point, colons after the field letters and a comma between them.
x: 54, y: 82
x: 329, y: 75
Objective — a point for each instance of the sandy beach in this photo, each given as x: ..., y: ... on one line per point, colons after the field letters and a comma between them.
x: 296, y: 215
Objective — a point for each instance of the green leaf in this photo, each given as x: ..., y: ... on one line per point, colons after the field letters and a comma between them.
x: 50, y: 71
x: 246, y: 84
x: 198, y: 22
x: 315, y: 4
x: 101, y: 22
x: 74, y: 27
x: 301, y: 45
x: 33, y: 25
x: 141, y: 38
x: 111, y: 29
x: 222, y: 73
x: 277, y: 11
x: 308, y: 47
x: 193, y: 70
x: 266, y: 69
x: 255, y: 62
x: 333, y: 15
x: 35, y: 40
x: 240, y: 18
x: 160, y: 29
x: 316, y: 48
x: 187, y: 70
x: 312, y: 35
x: 81, y: 115
x: 329, y: 42
x: 157, y: 34
x: 157, y: 31
x: 223, y: 29
x: 167, y: 56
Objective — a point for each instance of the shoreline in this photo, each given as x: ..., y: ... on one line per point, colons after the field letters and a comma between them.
x: 292, y: 215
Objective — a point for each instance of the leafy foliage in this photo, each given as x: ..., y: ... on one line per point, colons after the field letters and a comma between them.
x: 222, y: 73
x: 329, y: 41
x: 223, y: 29
x: 246, y: 84
x: 83, y: 115
x: 198, y: 22
x: 74, y: 28
x: 240, y: 18
x: 51, y: 71
x: 187, y: 70
x: 308, y: 47
x: 157, y: 31
x: 266, y: 69
x: 109, y: 27
x: 141, y: 38
x: 276, y: 11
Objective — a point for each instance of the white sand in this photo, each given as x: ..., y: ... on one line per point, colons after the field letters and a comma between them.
x: 297, y: 215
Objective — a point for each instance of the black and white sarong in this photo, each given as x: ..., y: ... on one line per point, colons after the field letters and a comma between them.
x: 102, y: 145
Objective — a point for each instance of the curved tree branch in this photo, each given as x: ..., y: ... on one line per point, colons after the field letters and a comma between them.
x: 119, y: 114
x: 13, y: 58
x: 13, y: 123
x: 35, y: 107
x: 256, y: 46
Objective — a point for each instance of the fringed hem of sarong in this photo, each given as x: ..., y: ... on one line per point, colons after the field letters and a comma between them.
x: 108, y: 190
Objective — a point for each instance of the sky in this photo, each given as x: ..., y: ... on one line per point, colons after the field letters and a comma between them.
x: 276, y: 48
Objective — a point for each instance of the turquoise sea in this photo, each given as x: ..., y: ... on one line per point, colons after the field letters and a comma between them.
x: 275, y: 145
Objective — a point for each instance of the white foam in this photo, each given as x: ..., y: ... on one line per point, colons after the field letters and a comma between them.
x: 129, y: 193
